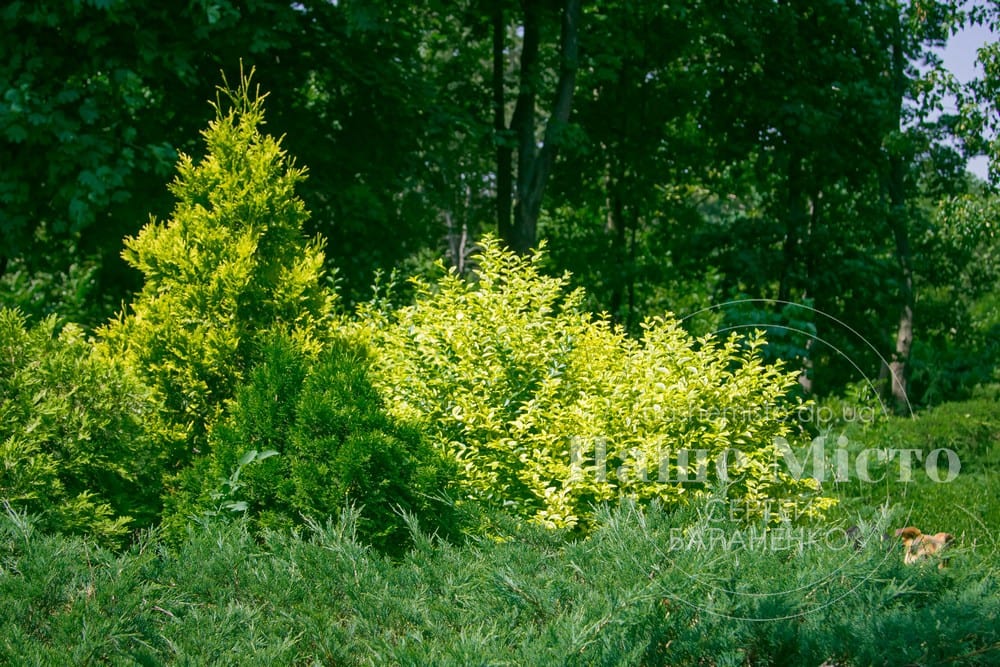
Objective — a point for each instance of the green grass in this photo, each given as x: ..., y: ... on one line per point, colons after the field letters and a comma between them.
x: 620, y: 597
x: 967, y: 506
x: 630, y: 593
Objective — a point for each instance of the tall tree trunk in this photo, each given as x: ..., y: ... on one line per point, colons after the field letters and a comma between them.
x: 534, y: 164
x: 504, y: 147
x: 898, y: 367
x: 523, y: 123
x: 813, y: 262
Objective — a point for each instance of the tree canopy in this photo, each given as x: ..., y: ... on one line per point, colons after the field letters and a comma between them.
x: 673, y: 156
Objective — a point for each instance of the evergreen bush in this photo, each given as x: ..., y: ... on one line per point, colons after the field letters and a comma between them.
x: 308, y: 436
x: 547, y: 410
x: 76, y: 432
x: 622, y: 596
x: 229, y: 265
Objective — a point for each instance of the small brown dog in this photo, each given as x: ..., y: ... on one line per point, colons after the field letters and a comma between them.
x: 917, y: 546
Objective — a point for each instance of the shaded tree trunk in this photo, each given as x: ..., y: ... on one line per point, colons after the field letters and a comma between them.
x: 898, y: 368
x: 534, y: 163
x: 521, y: 238
x: 615, y: 228
x: 504, y: 147
x: 813, y: 263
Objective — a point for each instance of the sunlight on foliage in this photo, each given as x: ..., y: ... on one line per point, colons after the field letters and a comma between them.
x: 75, y: 432
x: 548, y: 410
x: 232, y: 261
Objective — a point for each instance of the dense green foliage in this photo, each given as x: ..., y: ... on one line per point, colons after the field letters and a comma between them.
x: 638, y: 590
x: 477, y: 467
x: 707, y: 151
x: 70, y: 294
x: 304, y: 438
x: 539, y: 407
x: 231, y: 263
x: 961, y: 251
x: 98, y: 98
x: 626, y: 595
x: 548, y: 410
x: 968, y: 502
x: 76, y: 432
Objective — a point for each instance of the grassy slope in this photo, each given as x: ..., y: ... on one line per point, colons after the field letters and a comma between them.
x: 622, y: 596
x: 969, y: 505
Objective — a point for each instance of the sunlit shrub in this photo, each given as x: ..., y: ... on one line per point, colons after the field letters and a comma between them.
x: 232, y: 262
x: 75, y: 432
x: 546, y: 409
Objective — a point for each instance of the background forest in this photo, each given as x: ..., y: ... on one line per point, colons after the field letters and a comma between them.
x: 363, y: 332
x: 673, y: 155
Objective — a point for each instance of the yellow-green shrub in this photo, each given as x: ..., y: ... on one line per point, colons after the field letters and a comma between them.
x: 76, y: 446
x: 524, y: 389
x: 231, y: 263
